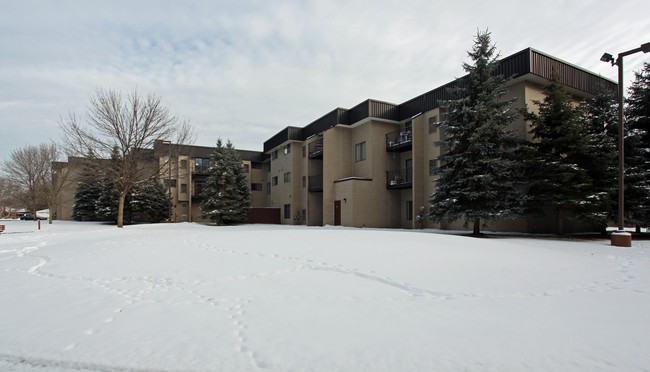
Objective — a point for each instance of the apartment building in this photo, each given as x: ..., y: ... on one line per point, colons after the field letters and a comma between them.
x: 368, y: 166
x: 372, y: 165
x: 184, y: 169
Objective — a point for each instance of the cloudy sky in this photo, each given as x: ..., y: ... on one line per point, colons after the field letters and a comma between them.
x: 244, y: 70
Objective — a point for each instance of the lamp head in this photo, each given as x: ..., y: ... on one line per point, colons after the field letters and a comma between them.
x: 645, y: 47
x: 607, y: 58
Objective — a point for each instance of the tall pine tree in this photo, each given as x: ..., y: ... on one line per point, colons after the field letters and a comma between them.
x: 478, y: 175
x: 226, y: 191
x: 598, y: 118
x: 558, y: 178
x: 637, y: 150
x: 89, y: 188
x: 108, y: 200
x: 149, y: 202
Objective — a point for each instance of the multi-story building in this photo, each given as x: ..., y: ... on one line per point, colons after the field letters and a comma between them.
x: 184, y: 169
x: 372, y: 165
x: 368, y: 166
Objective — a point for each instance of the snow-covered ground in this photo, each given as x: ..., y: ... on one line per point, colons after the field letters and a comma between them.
x: 191, y: 297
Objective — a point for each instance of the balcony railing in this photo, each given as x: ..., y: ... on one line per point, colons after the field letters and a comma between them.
x: 199, y: 186
x: 399, y: 179
x: 316, y: 183
x: 316, y: 149
x: 398, y: 141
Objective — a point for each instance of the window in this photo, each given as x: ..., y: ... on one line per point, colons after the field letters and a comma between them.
x: 166, y: 159
x: 274, y: 180
x: 183, y: 217
x: 287, y: 177
x: 268, y: 188
x: 184, y: 188
x: 304, y: 151
x: 409, y: 210
x: 433, y: 124
x: 256, y: 186
x: 409, y: 170
x: 287, y: 149
x: 287, y: 211
x: 169, y: 183
x: 183, y: 164
x: 184, y: 205
x: 246, y: 168
x: 304, y: 181
x: 360, y: 151
x: 274, y: 155
x: 433, y: 165
x: 201, y: 164
x: 408, y: 126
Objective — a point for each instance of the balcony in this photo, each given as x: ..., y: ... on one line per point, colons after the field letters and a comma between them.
x: 399, y: 179
x: 316, y: 183
x: 399, y: 141
x: 316, y: 149
x: 198, y: 191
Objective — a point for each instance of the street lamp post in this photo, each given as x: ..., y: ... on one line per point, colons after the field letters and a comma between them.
x: 622, y: 238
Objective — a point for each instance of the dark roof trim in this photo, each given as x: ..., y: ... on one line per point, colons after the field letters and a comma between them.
x: 527, y: 61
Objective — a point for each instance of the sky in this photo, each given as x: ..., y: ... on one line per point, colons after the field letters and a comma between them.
x: 245, y: 70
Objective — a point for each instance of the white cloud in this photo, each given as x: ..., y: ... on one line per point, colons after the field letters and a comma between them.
x: 246, y: 70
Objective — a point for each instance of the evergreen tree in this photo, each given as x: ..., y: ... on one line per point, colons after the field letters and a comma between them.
x: 107, y: 202
x: 226, y: 191
x: 599, y: 121
x: 637, y: 150
x: 150, y: 202
x: 478, y: 176
x: 556, y: 173
x: 107, y: 206
x: 89, y: 187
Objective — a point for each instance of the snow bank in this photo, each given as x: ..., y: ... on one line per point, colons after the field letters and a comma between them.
x: 91, y: 297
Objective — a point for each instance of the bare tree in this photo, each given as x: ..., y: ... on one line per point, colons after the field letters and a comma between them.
x: 8, y: 200
x: 125, y: 130
x: 54, y: 177
x: 25, y: 169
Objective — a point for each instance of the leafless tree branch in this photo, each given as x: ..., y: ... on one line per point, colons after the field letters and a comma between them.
x: 125, y: 129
